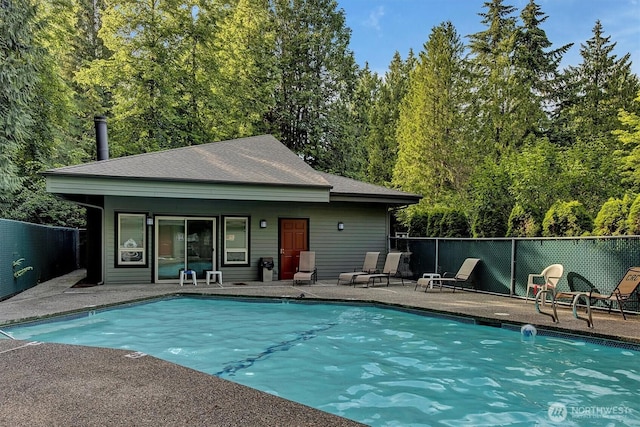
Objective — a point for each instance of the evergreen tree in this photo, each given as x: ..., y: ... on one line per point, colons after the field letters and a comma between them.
x: 244, y: 46
x: 381, y: 139
x: 159, y: 72
x: 435, y: 158
x: 365, y: 96
x: 19, y: 76
x: 316, y: 79
x: 500, y: 119
x: 629, y: 155
x: 598, y: 87
x: 537, y: 69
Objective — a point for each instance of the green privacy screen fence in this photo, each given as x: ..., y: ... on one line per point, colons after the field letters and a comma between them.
x: 31, y: 253
x: 506, y: 263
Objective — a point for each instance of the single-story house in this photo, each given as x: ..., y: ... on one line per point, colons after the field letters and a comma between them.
x: 223, y: 206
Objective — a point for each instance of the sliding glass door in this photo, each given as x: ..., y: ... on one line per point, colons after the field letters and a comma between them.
x: 184, y: 243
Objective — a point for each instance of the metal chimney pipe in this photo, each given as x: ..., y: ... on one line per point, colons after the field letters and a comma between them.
x: 102, y: 142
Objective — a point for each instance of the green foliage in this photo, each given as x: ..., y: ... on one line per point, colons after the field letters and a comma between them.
x: 522, y: 223
x: 18, y: 79
x: 315, y: 78
x: 33, y: 204
x: 491, y: 201
x: 566, y: 219
x: 439, y: 222
x: 633, y: 221
x: 454, y: 223
x: 629, y: 154
x: 384, y: 115
x: 612, y: 218
x: 597, y: 89
x: 491, y: 128
x: 244, y: 46
x: 435, y: 155
x: 500, y: 118
x: 419, y: 224
x: 535, y: 172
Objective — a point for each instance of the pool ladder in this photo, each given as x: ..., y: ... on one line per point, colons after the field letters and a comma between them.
x: 6, y: 334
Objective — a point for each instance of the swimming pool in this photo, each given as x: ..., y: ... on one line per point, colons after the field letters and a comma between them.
x: 379, y: 366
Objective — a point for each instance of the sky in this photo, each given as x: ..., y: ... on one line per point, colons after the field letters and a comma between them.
x: 382, y: 27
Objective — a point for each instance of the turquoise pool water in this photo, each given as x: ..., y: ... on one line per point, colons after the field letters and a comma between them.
x: 379, y: 366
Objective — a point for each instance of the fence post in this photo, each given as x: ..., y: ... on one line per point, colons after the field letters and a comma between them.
x: 512, y: 288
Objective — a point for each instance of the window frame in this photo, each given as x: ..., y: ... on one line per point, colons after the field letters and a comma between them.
x: 141, y: 248
x: 226, y: 250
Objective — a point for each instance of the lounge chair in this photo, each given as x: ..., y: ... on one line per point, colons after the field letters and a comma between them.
x: 368, y: 267
x: 307, y: 271
x: 620, y: 295
x: 550, y: 275
x: 389, y: 270
x: 463, y: 275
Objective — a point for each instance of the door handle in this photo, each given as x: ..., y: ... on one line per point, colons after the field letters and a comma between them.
x: 282, y: 251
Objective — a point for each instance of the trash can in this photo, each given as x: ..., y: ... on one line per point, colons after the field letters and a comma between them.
x: 265, y: 269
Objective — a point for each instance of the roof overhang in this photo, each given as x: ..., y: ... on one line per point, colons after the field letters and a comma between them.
x: 404, y: 200
x: 67, y: 186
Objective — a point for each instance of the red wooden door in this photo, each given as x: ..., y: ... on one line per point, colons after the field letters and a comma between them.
x: 294, y: 237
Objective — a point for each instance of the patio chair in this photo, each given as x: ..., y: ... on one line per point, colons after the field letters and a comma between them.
x: 620, y: 295
x: 368, y: 267
x: 307, y: 271
x: 463, y: 275
x: 623, y: 292
x: 389, y: 270
x: 580, y: 284
x: 551, y: 275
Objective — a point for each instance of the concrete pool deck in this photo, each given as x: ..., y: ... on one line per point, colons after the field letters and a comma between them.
x: 53, y: 384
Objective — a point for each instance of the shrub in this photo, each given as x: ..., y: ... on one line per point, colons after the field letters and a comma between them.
x: 612, y: 218
x: 439, y: 222
x: 455, y: 224
x: 522, y: 223
x: 418, y: 224
x: 434, y: 228
x: 489, y: 222
x: 566, y: 219
x: 633, y: 221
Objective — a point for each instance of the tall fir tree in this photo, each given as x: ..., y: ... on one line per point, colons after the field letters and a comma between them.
x: 244, y: 46
x: 316, y: 79
x: 498, y: 95
x: 537, y: 69
x: 19, y: 76
x: 381, y: 140
x: 434, y: 156
x: 597, y: 89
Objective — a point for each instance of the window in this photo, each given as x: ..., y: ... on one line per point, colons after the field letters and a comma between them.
x: 236, y: 241
x: 132, y: 239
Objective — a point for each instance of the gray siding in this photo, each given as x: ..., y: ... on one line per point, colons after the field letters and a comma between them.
x: 336, y: 251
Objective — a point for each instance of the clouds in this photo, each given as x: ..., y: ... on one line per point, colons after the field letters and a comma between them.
x: 373, y: 20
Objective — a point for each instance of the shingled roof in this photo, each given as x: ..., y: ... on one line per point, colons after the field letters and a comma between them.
x: 257, y: 160
x: 254, y: 160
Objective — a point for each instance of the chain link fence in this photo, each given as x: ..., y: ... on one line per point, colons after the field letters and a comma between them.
x: 507, y: 262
